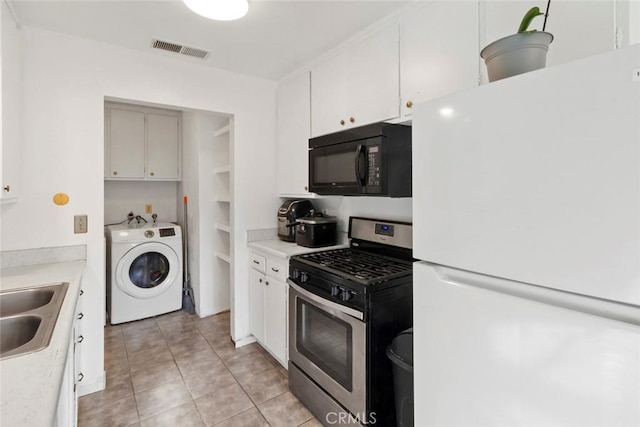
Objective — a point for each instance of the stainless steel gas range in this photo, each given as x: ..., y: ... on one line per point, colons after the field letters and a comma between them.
x: 345, y: 307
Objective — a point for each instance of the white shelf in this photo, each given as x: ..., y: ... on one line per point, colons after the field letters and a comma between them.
x: 222, y: 130
x: 222, y: 169
x: 224, y: 257
x: 222, y: 227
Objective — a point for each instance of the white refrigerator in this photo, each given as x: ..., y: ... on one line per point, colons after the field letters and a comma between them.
x: 526, y: 217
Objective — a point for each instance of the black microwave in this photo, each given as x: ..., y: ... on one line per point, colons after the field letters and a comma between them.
x: 371, y: 160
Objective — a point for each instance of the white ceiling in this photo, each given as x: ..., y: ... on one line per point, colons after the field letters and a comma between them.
x: 272, y: 40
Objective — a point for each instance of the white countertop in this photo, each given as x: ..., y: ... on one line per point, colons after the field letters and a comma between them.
x: 283, y: 249
x: 30, y: 384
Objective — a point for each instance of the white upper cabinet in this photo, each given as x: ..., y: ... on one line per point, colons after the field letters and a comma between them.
x: 11, y: 94
x: 294, y: 130
x: 163, y: 149
x: 359, y: 85
x: 439, y: 51
x: 580, y: 28
x: 141, y: 143
x: 126, y: 144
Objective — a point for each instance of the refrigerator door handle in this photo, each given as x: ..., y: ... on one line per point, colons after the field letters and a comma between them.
x: 595, y: 306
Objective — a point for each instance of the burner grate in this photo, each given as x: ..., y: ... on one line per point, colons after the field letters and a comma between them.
x: 358, y: 264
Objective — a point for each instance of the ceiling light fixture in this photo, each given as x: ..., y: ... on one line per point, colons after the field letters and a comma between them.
x: 220, y: 10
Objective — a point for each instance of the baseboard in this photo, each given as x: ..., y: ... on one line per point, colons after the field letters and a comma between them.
x: 88, y: 388
x: 245, y: 341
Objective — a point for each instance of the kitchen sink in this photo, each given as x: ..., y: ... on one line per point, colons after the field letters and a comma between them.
x: 17, y: 331
x: 28, y: 317
x: 20, y: 301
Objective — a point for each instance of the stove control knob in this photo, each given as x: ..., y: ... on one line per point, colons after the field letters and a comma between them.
x: 303, y: 276
x: 346, y: 295
x: 335, y: 291
x: 296, y: 274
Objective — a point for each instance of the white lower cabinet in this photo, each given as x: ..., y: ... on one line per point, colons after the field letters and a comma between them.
x: 67, y: 412
x: 268, y: 320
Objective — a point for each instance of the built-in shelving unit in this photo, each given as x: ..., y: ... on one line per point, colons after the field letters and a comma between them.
x: 222, y: 177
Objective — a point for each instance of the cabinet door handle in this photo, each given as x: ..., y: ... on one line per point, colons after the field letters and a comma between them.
x: 80, y: 376
x: 81, y: 292
x: 151, y: 174
x: 274, y: 269
x: 260, y: 280
x: 255, y: 262
x: 80, y: 316
x: 7, y: 188
x: 409, y: 104
x: 80, y: 339
x: 342, y: 122
x: 266, y: 283
x: 351, y: 119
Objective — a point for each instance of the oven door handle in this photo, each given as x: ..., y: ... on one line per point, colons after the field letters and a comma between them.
x: 322, y: 301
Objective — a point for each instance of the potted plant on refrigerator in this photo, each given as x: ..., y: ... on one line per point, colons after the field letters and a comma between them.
x: 521, y: 52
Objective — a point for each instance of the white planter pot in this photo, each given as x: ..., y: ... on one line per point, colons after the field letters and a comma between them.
x: 516, y: 54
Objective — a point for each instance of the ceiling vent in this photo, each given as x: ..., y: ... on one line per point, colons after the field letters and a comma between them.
x: 178, y: 48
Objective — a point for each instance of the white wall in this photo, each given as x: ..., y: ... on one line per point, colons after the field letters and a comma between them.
x: 66, y: 80
x: 122, y: 197
x: 398, y: 209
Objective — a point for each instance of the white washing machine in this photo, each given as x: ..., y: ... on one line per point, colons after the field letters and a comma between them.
x: 144, y: 270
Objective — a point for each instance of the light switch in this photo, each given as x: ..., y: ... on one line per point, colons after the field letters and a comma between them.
x: 80, y: 224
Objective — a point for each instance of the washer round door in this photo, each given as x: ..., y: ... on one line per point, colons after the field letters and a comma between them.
x: 147, y: 270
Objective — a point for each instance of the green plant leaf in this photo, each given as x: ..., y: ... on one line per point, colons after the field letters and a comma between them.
x: 528, y: 17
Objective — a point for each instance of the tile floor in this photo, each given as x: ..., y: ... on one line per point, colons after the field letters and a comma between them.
x: 180, y: 370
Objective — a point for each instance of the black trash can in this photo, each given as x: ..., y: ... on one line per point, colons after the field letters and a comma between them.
x: 400, y: 352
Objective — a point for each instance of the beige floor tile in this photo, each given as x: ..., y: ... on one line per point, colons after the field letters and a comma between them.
x: 248, y: 365
x: 213, y: 323
x: 312, y: 423
x: 158, y: 399
x: 282, y: 371
x: 139, y: 327
x: 121, y: 413
x: 201, y: 384
x: 285, y: 411
x: 154, y: 375
x: 114, y: 341
x: 116, y: 364
x: 111, y: 330
x: 265, y: 386
x: 152, y: 355
x: 227, y: 351
x: 193, y: 344
x: 217, y: 336
x: 269, y: 358
x: 186, y: 415
x: 118, y: 387
x: 198, y: 363
x: 224, y: 403
x: 250, y: 418
x: 142, y: 342
x: 176, y: 324
x: 180, y: 337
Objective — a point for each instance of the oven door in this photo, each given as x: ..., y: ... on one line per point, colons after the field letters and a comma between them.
x: 328, y: 343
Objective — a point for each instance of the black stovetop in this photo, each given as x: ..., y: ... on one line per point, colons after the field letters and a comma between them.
x: 360, y: 266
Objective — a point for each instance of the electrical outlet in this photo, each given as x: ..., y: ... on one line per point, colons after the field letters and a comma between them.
x: 148, y: 209
x: 80, y: 224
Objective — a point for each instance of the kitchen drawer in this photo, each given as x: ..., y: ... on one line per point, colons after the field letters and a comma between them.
x: 257, y: 262
x: 277, y: 270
